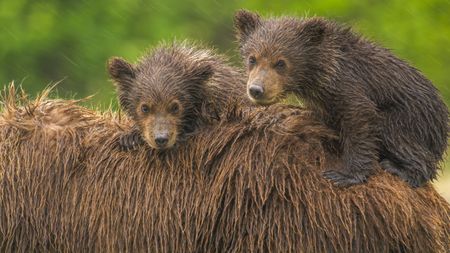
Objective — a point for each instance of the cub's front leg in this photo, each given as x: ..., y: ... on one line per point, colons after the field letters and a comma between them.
x: 131, y: 140
x: 359, y: 143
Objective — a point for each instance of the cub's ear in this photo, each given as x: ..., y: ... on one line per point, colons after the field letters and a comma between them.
x: 123, y: 74
x: 313, y: 30
x: 245, y: 23
x: 120, y: 70
x: 202, y: 73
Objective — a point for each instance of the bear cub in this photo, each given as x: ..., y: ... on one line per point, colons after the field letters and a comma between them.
x: 172, y: 91
x: 383, y: 109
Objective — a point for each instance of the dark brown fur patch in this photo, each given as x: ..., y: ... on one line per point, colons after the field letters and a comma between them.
x: 384, y: 110
x: 251, y: 183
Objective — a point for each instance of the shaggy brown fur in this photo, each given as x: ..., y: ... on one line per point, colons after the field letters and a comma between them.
x: 173, y: 90
x: 65, y: 186
x: 384, y: 109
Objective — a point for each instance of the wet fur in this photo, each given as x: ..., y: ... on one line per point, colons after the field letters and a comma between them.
x: 251, y: 182
x: 384, y: 110
x: 199, y: 78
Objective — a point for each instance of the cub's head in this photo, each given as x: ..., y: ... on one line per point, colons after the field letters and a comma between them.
x: 281, y: 55
x: 163, y: 92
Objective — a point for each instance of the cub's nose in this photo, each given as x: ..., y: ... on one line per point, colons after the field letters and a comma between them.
x: 161, y: 140
x: 256, y: 91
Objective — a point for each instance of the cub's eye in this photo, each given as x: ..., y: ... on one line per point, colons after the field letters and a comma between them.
x: 252, y: 60
x: 174, y: 108
x: 145, y: 108
x: 280, y: 64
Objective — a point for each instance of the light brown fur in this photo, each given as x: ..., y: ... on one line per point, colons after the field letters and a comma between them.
x: 251, y: 183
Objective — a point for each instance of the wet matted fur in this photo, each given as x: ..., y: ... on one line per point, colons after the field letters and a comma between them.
x: 171, y: 89
x: 251, y: 183
x: 384, y: 109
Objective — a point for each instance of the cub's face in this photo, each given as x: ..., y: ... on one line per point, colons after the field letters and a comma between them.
x: 267, y: 77
x: 160, y: 121
x: 277, y: 54
x: 159, y: 98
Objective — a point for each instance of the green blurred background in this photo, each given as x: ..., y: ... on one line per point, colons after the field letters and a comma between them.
x: 42, y: 42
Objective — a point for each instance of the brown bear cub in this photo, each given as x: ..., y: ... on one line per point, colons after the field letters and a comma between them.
x: 172, y: 91
x: 383, y: 109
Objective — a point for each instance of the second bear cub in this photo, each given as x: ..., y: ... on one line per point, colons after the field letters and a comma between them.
x: 172, y: 90
x: 383, y: 109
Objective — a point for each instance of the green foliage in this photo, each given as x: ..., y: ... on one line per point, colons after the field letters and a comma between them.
x: 46, y: 41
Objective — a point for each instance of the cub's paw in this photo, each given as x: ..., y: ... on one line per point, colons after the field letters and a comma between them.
x: 343, y: 180
x: 394, y: 169
x: 130, y: 141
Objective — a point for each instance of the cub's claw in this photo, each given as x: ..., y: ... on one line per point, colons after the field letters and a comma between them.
x: 392, y: 168
x: 343, y: 180
x: 130, y: 141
